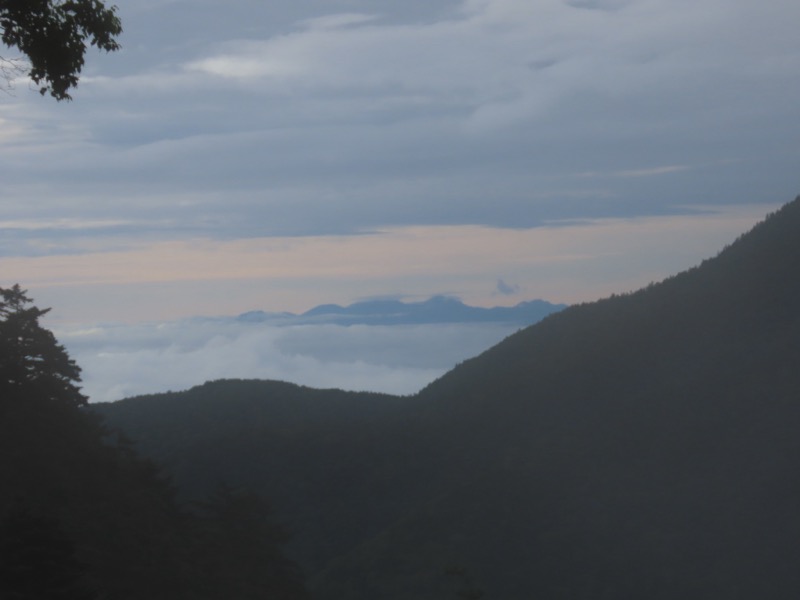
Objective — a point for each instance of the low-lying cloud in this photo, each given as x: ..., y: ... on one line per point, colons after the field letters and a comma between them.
x: 125, y: 360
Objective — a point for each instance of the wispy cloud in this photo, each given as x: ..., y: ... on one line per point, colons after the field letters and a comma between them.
x: 507, y: 289
x: 652, y: 171
x: 645, y: 172
x: 63, y: 224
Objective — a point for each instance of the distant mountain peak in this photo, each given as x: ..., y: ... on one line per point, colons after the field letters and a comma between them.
x: 436, y: 309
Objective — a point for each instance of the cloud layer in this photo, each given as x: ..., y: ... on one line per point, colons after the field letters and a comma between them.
x: 125, y: 360
x: 249, y: 120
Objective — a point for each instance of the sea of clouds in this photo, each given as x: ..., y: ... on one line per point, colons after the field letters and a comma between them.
x: 123, y: 360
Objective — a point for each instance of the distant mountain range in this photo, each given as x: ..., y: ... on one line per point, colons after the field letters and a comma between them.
x: 642, y: 446
x: 438, y: 309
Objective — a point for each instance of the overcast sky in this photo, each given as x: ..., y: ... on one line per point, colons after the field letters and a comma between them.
x: 279, y: 154
x: 276, y: 154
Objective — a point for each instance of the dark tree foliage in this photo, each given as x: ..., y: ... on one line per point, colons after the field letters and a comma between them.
x: 237, y: 524
x: 37, y: 560
x: 82, y: 517
x: 32, y: 364
x: 54, y: 35
x: 466, y: 589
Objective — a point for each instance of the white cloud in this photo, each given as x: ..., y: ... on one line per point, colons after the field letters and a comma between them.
x: 647, y: 172
x: 337, y: 21
x: 62, y: 224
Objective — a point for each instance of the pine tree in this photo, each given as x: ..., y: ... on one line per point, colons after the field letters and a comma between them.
x: 33, y: 365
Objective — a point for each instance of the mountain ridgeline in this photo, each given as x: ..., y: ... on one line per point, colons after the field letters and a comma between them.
x: 641, y: 446
x: 438, y: 309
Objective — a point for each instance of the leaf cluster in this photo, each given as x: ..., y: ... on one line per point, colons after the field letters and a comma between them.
x: 54, y: 35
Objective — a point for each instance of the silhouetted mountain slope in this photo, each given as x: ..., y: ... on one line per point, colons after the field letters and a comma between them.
x: 663, y: 422
x: 642, y: 446
x: 307, y: 450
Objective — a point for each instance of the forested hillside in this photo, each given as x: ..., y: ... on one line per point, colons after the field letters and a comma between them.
x: 642, y: 446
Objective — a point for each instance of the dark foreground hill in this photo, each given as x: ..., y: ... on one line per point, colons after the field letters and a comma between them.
x: 643, y: 446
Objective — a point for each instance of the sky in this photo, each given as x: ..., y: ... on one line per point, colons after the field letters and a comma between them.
x: 276, y: 155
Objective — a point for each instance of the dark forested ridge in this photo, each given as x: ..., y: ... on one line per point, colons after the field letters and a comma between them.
x: 642, y: 446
